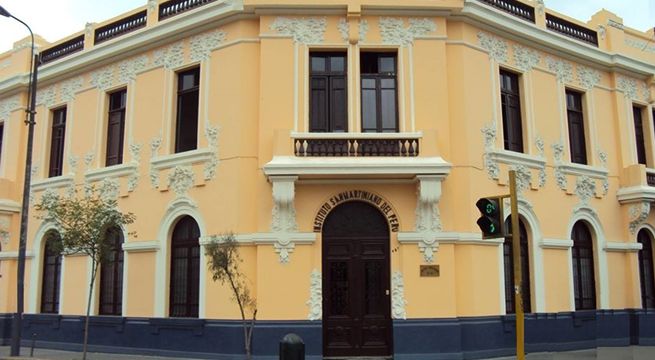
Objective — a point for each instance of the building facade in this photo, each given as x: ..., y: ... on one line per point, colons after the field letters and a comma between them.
x: 345, y: 144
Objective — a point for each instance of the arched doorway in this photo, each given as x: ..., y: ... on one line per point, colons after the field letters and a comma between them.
x: 356, y: 281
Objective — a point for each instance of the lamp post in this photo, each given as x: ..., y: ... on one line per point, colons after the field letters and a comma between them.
x: 16, y: 324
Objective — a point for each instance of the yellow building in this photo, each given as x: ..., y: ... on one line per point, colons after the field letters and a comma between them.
x: 345, y: 143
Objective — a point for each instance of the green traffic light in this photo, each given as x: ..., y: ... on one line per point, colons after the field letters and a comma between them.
x: 490, y: 208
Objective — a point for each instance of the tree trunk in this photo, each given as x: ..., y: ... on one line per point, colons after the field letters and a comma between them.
x: 94, y: 270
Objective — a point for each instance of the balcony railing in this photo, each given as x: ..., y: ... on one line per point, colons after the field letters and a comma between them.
x: 174, y: 7
x: 120, y: 27
x: 513, y: 7
x: 650, y: 178
x: 64, y: 49
x: 340, y: 147
x: 571, y: 30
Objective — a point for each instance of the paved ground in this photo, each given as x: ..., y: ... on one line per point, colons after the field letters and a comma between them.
x: 624, y: 353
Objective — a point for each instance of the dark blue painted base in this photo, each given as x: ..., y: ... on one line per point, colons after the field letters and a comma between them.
x: 416, y: 339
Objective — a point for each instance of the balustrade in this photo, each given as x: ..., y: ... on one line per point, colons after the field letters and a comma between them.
x: 64, y: 49
x: 404, y: 147
x: 571, y: 30
x: 120, y: 27
x: 174, y: 7
x: 513, y: 7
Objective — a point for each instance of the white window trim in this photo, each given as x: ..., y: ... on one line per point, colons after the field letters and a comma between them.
x: 517, y: 158
x: 53, y: 182
x: 113, y: 171
x: 183, y: 158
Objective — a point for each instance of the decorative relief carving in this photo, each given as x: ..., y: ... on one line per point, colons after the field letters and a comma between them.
x: 4, y: 231
x: 585, y: 188
x: 344, y: 30
x: 133, y: 178
x: 496, y: 47
x: 152, y: 5
x: 170, y: 57
x: 88, y: 159
x: 526, y: 58
x: 7, y: 106
x: 128, y: 69
x: 563, y: 69
x: 109, y: 188
x: 540, y: 6
x: 211, y: 133
x: 541, y: 148
x: 428, y: 221
x: 89, y: 29
x: 638, y: 215
x: 523, y: 178
x: 103, y: 79
x: 398, y: 301
x: 315, y: 301
x: 73, y: 160
x: 393, y: 30
x: 155, y: 143
x: 641, y: 45
x: 181, y: 179
x: 602, y: 31
x: 560, y: 177
x: 284, y: 215
x: 645, y: 91
x: 70, y: 87
x: 489, y: 133
x: 363, y: 29
x: 303, y: 30
x: 615, y: 24
x: 203, y: 44
x: 35, y: 169
x: 46, y: 96
x: 628, y: 86
x: 588, y: 77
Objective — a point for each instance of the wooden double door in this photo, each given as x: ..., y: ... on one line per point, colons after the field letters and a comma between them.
x: 356, y: 283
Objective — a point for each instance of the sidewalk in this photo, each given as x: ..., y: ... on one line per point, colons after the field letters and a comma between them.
x: 620, y: 353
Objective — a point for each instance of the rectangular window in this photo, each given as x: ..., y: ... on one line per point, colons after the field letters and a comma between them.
x: 328, y: 96
x: 115, y: 128
x: 639, y: 135
x: 57, y: 142
x: 2, y: 131
x: 510, y: 98
x: 577, y: 142
x: 379, y: 95
x: 186, y: 125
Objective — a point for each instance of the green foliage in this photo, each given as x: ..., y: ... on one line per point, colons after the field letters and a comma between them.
x: 82, y: 221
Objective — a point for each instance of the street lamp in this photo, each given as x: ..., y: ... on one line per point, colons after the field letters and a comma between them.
x: 16, y: 324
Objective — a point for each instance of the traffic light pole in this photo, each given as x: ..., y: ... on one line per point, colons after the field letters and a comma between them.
x: 518, y: 277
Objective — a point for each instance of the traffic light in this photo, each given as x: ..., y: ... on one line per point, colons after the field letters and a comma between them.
x: 491, y: 217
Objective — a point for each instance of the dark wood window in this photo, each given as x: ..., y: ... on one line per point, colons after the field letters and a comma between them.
x: 328, y: 96
x: 509, y: 269
x: 510, y: 101
x: 116, y: 127
x: 639, y: 135
x: 111, y: 275
x: 577, y: 141
x: 646, y: 270
x: 51, y: 275
x: 57, y: 142
x: 186, y: 126
x: 185, y: 269
x: 379, y: 95
x: 2, y: 131
x: 582, y: 253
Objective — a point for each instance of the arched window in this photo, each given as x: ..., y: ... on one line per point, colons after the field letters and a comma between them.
x: 646, y: 269
x: 185, y: 269
x: 582, y: 253
x: 111, y: 275
x: 51, y: 275
x: 509, y: 269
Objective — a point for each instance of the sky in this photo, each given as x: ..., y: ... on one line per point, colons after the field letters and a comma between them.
x: 56, y: 19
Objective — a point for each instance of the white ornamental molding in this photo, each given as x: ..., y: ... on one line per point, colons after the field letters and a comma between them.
x: 152, y: 5
x: 70, y: 87
x: 496, y: 47
x: 645, y: 91
x: 344, y: 29
x: 128, y: 69
x: 306, y: 31
x: 628, y: 86
x: 211, y: 133
x: 641, y: 45
x: 89, y: 28
x: 103, y: 79
x: 203, y: 44
x: 181, y: 179
x: 283, y: 215
x: 46, y: 96
x: 541, y: 148
x: 5, y: 64
x: 587, y: 77
x: 585, y: 188
x: 7, y: 106
x: 638, y: 215
x: 563, y: 69
x: 398, y: 301
x: 523, y: 178
x: 363, y: 29
x: 540, y: 6
x: 525, y: 58
x: 393, y: 30
x: 560, y: 177
x: 315, y: 301
x: 109, y: 188
x: 489, y: 134
x: 133, y: 178
x: 602, y: 31
x: 35, y: 169
x: 170, y: 57
x: 428, y: 221
x: 155, y: 143
x: 88, y: 159
x: 73, y: 161
x: 4, y: 231
x: 602, y: 158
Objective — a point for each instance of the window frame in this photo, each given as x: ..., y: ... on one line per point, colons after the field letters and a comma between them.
x: 120, y: 111
x: 329, y: 76
x: 56, y: 153
x: 645, y: 263
x: 52, y: 261
x: 508, y: 266
x: 2, y: 136
x: 511, y: 141
x: 191, y: 304
x: 576, y: 117
x: 583, y: 239
x: 378, y: 77
x: 114, y: 264
x: 185, y: 128
x: 640, y: 139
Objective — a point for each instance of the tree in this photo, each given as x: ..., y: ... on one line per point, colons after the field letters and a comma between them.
x: 83, y: 222
x: 224, y: 263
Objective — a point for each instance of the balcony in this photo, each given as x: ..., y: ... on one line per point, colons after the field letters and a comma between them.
x: 174, y: 7
x: 356, y: 145
x: 637, y: 184
x: 571, y: 30
x: 514, y: 8
x: 120, y: 27
x: 64, y: 49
